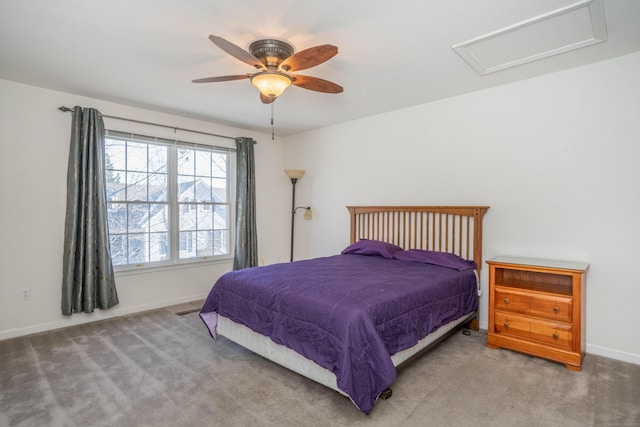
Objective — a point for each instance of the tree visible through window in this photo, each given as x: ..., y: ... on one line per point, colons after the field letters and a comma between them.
x: 162, y: 193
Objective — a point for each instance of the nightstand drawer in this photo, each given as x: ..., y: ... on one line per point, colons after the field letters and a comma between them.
x: 510, y: 301
x: 552, y: 333
x: 551, y: 307
x: 512, y: 324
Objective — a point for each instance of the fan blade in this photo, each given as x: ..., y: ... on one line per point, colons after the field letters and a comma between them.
x: 237, y: 52
x: 222, y: 78
x: 314, y: 83
x: 308, y: 58
x: 267, y: 99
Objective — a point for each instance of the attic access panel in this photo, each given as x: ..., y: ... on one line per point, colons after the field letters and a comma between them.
x: 569, y: 28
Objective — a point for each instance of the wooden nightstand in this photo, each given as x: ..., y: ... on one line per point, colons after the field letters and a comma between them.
x: 537, y: 307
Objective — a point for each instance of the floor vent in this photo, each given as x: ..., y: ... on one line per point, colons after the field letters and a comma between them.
x: 182, y: 313
x: 186, y: 308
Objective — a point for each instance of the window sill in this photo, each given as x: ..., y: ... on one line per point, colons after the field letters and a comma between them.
x: 127, y: 271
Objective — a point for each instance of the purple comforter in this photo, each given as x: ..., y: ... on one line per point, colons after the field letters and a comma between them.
x: 348, y: 313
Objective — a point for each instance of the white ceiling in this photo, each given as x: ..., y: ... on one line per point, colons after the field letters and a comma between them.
x: 392, y: 55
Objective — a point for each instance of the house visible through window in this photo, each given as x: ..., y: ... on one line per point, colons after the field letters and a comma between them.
x: 168, y: 202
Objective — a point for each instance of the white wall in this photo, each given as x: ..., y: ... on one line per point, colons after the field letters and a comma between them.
x: 34, y: 146
x: 556, y: 157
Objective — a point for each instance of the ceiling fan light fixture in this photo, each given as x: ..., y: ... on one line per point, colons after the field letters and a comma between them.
x: 271, y: 84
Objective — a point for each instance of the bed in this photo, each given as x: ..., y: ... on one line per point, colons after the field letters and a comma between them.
x: 408, y: 278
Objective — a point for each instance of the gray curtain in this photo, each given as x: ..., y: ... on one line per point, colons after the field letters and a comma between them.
x: 87, y: 277
x: 246, y: 254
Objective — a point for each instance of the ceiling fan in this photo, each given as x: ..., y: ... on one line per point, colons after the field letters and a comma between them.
x: 275, y: 59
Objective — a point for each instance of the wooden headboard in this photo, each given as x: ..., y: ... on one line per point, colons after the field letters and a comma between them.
x: 453, y: 229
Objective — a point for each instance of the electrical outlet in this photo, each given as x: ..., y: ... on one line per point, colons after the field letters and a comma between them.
x: 25, y: 294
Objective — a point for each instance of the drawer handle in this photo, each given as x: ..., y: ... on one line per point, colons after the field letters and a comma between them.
x: 506, y: 325
x: 556, y: 336
x: 506, y: 301
x: 556, y: 309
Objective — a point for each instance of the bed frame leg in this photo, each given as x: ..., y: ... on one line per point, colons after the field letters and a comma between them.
x: 386, y: 394
x: 473, y: 324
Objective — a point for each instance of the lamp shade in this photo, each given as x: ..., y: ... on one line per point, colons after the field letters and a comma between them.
x: 271, y: 84
x: 294, y: 173
x: 307, y: 214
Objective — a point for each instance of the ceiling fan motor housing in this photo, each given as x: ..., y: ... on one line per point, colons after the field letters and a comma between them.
x: 271, y: 52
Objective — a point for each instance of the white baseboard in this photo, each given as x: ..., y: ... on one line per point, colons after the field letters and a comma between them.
x: 613, y: 354
x: 597, y: 350
x: 81, y: 318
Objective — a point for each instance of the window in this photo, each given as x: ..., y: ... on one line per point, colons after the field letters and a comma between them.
x: 168, y: 201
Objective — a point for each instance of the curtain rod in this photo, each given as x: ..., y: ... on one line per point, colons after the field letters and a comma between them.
x: 67, y: 109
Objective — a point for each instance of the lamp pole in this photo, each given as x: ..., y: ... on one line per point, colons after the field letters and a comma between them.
x: 295, y: 175
x: 293, y: 212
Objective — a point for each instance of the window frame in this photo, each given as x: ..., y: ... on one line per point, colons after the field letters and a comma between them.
x: 173, y: 202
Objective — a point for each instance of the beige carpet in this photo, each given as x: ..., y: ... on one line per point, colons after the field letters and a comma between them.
x: 163, y: 369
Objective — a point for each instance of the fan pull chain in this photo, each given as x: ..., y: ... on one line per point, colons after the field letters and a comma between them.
x: 272, y: 127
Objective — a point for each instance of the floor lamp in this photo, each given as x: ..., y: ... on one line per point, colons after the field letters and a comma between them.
x: 295, y: 175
